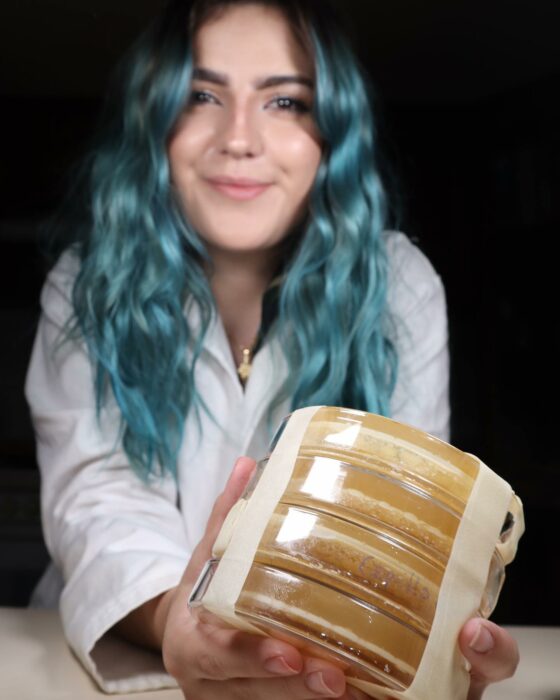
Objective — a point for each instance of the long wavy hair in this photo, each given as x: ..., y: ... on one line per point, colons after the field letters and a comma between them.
x: 142, y: 264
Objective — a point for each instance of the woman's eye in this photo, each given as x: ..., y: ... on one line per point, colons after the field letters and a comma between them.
x: 200, y: 97
x: 289, y: 104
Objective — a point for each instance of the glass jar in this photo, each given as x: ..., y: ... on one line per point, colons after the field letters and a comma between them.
x: 351, y: 555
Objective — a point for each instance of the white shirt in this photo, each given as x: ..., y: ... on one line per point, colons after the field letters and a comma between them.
x: 117, y: 542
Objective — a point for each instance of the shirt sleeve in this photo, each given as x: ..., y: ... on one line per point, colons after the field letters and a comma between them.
x: 117, y: 541
x: 418, y: 327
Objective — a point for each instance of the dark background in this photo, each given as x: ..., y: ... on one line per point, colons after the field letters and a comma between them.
x: 469, y: 101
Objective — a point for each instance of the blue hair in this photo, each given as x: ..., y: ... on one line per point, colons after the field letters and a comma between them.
x: 333, y: 302
x: 142, y: 263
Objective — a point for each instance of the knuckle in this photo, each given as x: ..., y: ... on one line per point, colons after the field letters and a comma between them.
x: 222, y: 637
x: 210, y: 666
x: 212, y: 633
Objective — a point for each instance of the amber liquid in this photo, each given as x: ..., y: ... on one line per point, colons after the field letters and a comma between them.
x: 351, y: 563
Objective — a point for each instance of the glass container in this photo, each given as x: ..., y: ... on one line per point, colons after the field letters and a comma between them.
x: 350, y: 561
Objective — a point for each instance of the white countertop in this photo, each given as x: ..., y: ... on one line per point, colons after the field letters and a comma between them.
x: 36, y: 663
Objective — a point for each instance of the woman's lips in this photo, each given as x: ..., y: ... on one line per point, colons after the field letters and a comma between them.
x: 242, y: 189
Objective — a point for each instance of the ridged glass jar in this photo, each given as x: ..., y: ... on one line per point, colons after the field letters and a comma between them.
x: 353, y: 554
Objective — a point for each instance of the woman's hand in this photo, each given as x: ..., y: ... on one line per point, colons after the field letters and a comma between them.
x: 212, y: 661
x: 491, y: 651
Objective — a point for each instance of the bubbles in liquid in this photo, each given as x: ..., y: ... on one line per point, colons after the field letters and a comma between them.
x: 387, y: 668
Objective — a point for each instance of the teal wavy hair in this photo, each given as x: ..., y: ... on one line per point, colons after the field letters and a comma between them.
x: 142, y: 264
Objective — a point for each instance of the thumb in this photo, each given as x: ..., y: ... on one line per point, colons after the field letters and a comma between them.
x: 238, y: 480
x: 241, y: 474
x: 491, y: 651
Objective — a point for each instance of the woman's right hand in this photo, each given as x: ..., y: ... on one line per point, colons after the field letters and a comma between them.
x: 211, y: 661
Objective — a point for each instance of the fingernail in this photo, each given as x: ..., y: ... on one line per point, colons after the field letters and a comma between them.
x: 482, y: 641
x: 279, y: 666
x: 316, y: 683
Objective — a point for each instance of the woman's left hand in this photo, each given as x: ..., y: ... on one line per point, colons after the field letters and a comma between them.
x: 491, y: 651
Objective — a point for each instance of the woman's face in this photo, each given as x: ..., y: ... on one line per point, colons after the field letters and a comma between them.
x: 246, y: 150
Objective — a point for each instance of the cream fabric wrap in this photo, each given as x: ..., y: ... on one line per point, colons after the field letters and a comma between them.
x: 442, y: 674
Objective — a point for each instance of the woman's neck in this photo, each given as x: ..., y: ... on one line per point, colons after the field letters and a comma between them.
x: 238, y: 282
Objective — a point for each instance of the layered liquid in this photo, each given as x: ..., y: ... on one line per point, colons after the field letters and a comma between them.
x: 352, y: 559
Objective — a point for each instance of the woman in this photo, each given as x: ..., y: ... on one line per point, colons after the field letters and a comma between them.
x: 230, y: 264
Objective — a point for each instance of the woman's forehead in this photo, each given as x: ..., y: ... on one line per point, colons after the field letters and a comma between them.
x: 245, y: 35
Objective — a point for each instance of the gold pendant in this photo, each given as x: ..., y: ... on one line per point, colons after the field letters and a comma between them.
x: 244, y: 369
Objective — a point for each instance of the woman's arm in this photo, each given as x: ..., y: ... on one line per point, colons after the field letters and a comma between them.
x: 145, y: 624
x: 117, y: 541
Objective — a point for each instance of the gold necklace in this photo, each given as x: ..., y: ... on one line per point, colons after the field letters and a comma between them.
x: 244, y: 367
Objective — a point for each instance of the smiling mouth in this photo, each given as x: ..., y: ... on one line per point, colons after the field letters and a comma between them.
x: 239, y: 189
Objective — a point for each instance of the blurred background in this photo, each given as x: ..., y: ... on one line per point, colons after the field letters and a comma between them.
x: 469, y: 110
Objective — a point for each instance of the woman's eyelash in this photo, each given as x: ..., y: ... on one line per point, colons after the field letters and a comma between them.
x: 201, y: 97
x: 283, y: 103
x: 290, y: 104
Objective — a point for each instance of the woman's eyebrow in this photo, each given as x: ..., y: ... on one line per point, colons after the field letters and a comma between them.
x: 211, y: 76
x: 274, y: 80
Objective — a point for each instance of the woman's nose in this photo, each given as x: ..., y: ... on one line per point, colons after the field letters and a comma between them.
x: 241, y: 135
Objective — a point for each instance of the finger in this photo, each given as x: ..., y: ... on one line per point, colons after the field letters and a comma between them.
x: 491, y: 651
x: 219, y: 653
x: 223, y: 653
x: 240, y: 476
x: 241, y: 473
x: 318, y: 679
